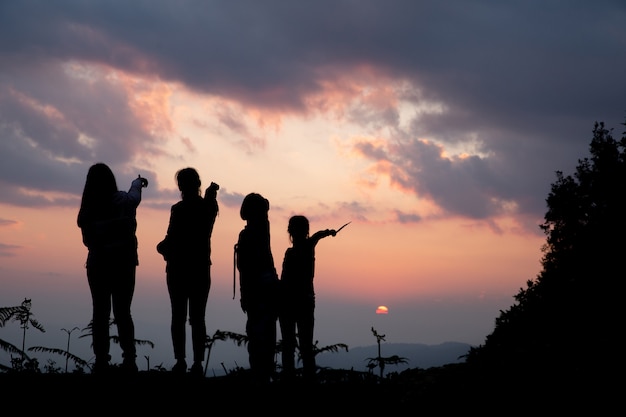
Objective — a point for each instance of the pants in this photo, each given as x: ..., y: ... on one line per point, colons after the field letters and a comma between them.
x: 261, y: 332
x: 298, y: 315
x: 112, y: 287
x: 189, y: 292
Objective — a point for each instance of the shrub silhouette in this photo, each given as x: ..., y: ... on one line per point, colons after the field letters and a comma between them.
x: 565, y: 322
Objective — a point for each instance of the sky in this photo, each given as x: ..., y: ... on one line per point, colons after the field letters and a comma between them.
x: 435, y: 127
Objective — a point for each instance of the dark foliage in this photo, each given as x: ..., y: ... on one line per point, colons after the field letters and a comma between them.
x: 563, y: 328
x: 336, y: 391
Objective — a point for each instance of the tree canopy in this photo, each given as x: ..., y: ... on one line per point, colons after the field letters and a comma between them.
x: 566, y: 320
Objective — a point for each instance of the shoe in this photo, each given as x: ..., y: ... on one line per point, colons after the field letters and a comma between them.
x: 196, y: 369
x: 180, y: 367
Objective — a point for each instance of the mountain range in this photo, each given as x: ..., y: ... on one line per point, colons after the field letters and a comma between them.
x: 417, y: 355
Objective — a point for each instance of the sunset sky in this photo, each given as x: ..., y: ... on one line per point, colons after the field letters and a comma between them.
x: 434, y: 127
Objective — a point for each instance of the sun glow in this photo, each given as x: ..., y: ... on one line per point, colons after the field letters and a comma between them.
x: 382, y: 310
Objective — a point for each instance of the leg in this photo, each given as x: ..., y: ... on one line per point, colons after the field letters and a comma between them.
x: 261, y: 331
x: 101, y: 302
x: 306, y: 321
x: 254, y: 334
x: 197, y: 311
x: 269, y: 318
x: 122, y: 300
x: 288, y: 334
x: 178, y: 302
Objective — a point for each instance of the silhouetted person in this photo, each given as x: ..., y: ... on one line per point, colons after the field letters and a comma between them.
x: 258, y: 281
x: 107, y: 219
x: 297, y: 305
x: 187, y: 252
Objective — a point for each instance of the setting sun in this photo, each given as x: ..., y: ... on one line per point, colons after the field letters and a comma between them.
x: 382, y: 310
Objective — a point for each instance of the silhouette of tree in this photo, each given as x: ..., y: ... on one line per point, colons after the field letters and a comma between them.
x: 381, y: 361
x: 567, y: 321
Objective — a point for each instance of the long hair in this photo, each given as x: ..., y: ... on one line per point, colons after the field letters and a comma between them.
x: 188, y: 182
x: 100, y: 187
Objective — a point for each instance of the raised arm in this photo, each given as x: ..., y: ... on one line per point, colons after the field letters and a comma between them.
x: 317, y: 236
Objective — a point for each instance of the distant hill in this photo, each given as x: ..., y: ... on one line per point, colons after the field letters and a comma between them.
x: 418, y: 356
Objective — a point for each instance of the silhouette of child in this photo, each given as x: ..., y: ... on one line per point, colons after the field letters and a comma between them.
x: 297, y: 304
x: 187, y: 252
x: 258, y: 281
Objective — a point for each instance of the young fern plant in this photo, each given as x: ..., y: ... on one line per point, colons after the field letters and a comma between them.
x: 381, y: 361
x: 24, y: 316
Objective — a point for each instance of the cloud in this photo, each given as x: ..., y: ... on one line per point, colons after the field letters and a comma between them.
x: 471, y: 105
x: 8, y: 250
x: 407, y: 217
x: 7, y: 222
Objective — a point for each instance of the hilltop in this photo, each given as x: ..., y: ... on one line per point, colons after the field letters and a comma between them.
x: 417, y: 355
x: 450, y: 388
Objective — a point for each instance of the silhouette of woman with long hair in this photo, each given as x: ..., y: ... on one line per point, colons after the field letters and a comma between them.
x: 187, y: 252
x: 297, y: 305
x: 258, y: 281
x: 107, y: 219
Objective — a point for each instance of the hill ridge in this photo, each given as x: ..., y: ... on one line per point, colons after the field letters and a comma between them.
x: 418, y: 355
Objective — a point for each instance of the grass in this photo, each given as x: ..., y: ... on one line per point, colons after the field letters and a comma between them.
x: 442, y: 390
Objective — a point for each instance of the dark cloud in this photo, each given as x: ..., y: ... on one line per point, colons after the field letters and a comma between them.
x: 8, y: 250
x: 7, y: 222
x: 524, y: 81
x: 402, y: 217
x: 230, y: 199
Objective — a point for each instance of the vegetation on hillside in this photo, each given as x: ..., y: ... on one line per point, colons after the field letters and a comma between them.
x: 565, y: 324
